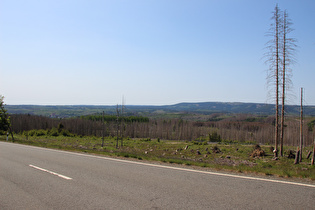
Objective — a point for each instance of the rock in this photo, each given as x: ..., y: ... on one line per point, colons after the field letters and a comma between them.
x: 228, y: 157
x: 198, y: 152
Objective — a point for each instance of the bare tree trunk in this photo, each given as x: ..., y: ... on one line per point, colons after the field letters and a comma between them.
x: 122, y: 122
x: 117, y: 122
x: 276, y: 74
x: 283, y: 84
x: 297, y: 156
x: 313, y: 157
x: 288, y: 47
x: 103, y: 133
x: 301, y: 126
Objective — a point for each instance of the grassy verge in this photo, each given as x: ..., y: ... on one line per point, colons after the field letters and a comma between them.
x: 232, y: 157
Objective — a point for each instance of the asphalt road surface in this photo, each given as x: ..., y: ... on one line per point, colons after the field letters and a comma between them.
x: 38, y: 178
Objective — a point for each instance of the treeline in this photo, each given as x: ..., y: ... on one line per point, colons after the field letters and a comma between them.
x: 231, y: 129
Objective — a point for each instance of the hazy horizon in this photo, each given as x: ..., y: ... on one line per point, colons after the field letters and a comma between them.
x: 57, y: 52
x: 126, y: 104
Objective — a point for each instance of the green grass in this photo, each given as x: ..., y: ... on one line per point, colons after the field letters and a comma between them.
x: 233, y: 157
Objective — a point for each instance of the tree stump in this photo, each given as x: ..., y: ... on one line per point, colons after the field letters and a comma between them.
x: 297, y: 156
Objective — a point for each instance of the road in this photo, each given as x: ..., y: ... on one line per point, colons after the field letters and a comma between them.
x: 39, y: 178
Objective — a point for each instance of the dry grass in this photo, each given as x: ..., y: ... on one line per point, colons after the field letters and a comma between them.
x: 232, y: 157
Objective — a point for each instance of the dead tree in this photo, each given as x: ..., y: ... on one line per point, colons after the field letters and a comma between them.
x: 279, y: 57
x: 274, y: 61
x: 103, y: 132
x: 288, y: 48
x: 313, y: 157
x: 301, y: 126
x: 117, y: 128
x: 122, y: 121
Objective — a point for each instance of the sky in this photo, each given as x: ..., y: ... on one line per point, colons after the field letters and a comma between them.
x: 149, y: 52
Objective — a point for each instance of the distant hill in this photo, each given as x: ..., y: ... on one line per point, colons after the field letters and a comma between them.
x: 198, y: 108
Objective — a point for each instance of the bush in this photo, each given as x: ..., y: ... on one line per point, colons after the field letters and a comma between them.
x: 196, y: 143
x: 214, y: 137
x: 53, y: 132
x: 31, y: 132
x: 40, y: 132
x: 66, y: 133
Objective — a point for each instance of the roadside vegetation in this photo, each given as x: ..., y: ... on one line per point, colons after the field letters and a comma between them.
x: 220, y: 141
x: 246, y: 157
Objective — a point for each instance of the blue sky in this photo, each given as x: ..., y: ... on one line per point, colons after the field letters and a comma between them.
x: 152, y: 52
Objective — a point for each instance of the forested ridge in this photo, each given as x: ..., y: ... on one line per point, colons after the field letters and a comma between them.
x: 199, y: 108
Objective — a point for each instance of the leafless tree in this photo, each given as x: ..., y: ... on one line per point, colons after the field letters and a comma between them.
x: 122, y: 121
x: 117, y: 121
x: 288, y: 49
x: 274, y: 60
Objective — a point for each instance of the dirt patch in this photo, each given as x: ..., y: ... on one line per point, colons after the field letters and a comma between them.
x: 231, y: 162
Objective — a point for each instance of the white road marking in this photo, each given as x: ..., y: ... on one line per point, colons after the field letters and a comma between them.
x: 202, y: 172
x: 186, y: 169
x: 51, y: 172
x: 175, y: 168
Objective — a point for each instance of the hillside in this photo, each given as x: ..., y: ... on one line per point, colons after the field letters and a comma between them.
x: 197, y: 108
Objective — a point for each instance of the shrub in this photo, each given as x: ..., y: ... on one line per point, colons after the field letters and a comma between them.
x: 40, y: 132
x: 60, y: 127
x: 66, y: 133
x: 53, y: 132
x: 31, y: 132
x: 214, y: 137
